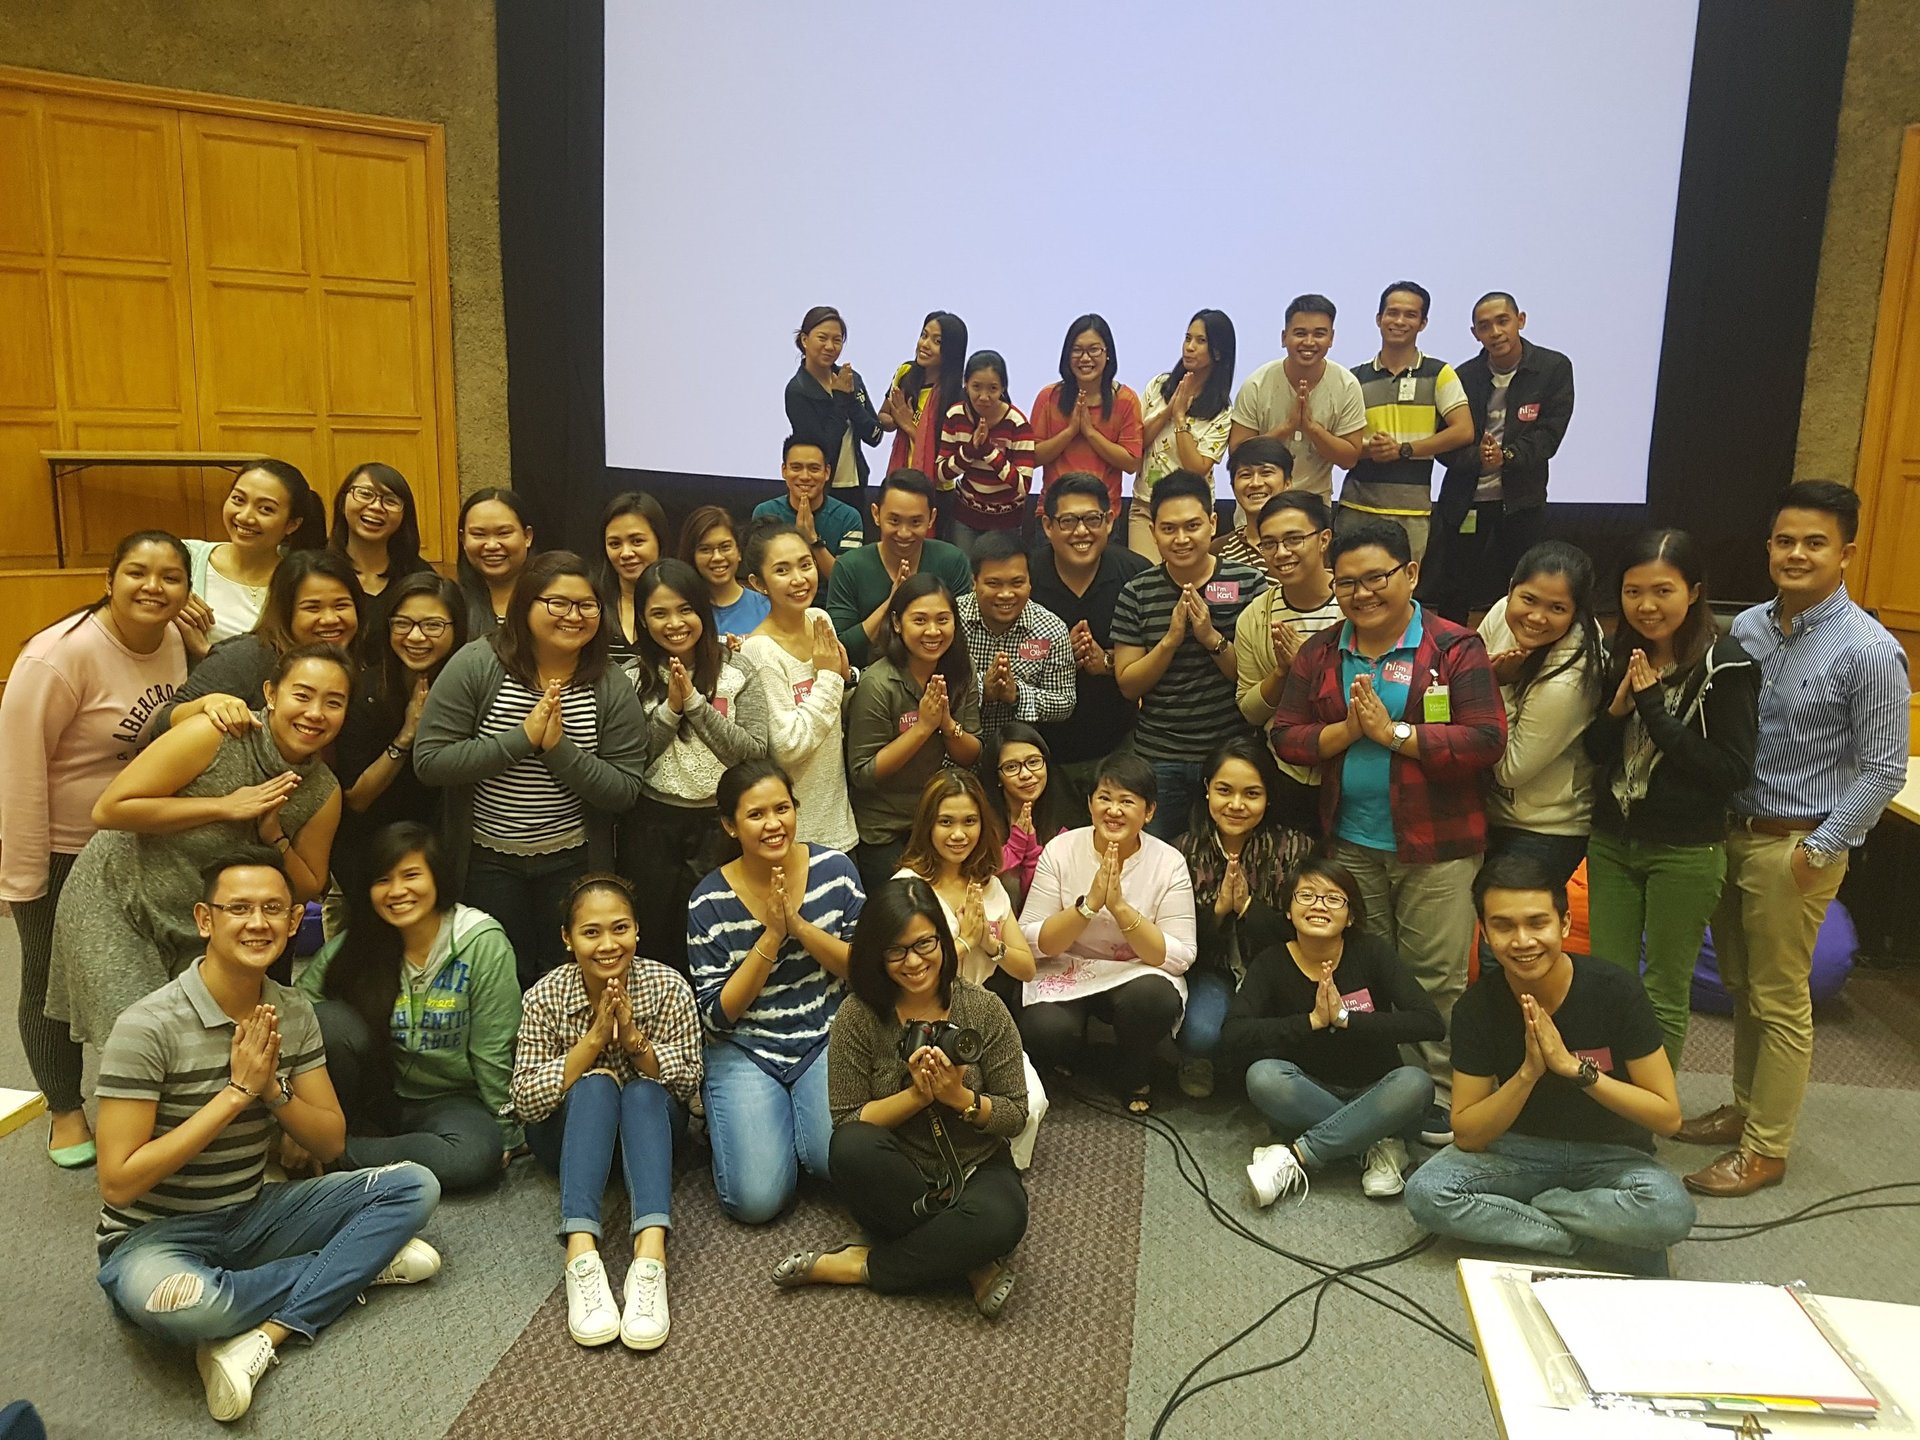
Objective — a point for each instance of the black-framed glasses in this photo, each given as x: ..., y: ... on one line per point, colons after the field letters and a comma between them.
x: 1316, y: 900
x: 1082, y: 521
x: 1294, y: 543
x: 1088, y: 352
x: 372, y: 497
x: 926, y: 947
x: 559, y: 607
x: 402, y: 626
x: 1032, y: 765
x: 1373, y: 584
x: 247, y: 909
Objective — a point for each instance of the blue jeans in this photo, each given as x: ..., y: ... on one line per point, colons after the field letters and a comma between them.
x: 576, y: 1142
x: 1208, y: 995
x: 1329, y: 1122
x: 1180, y: 783
x: 1561, y: 854
x: 1549, y: 1196
x: 763, y: 1132
x: 295, y: 1254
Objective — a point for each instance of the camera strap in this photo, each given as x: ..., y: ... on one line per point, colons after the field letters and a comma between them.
x: 943, y: 1197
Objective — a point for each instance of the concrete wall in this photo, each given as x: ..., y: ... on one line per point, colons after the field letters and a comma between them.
x: 1880, y: 98
x: 417, y: 59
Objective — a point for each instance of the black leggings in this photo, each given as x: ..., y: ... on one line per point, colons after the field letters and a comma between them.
x: 53, y: 1055
x: 1142, y: 1012
x: 879, y: 1183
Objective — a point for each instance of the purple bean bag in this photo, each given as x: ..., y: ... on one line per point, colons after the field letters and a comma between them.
x: 1833, y: 951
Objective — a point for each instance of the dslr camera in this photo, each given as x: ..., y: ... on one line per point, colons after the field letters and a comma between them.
x: 959, y: 1044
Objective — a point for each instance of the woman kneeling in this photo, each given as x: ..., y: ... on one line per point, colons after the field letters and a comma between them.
x: 609, y: 1053
x: 927, y: 1086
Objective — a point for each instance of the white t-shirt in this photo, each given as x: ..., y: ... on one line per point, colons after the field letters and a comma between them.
x: 1489, y: 486
x: 974, y: 965
x: 1266, y: 400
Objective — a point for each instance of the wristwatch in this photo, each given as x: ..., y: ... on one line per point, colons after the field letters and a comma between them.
x: 398, y: 752
x: 1406, y: 450
x: 1588, y: 1074
x: 276, y: 1094
x: 1818, y: 859
x: 972, y: 1112
x: 1085, y: 913
x: 1402, y: 732
x: 1217, y: 649
x: 1341, y: 1016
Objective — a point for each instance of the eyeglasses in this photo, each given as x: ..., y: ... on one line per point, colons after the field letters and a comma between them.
x: 402, y: 626
x: 1296, y: 542
x: 1032, y: 765
x: 1373, y: 584
x: 559, y: 607
x: 374, y: 499
x: 247, y: 909
x: 1315, y: 900
x: 926, y: 947
x: 1088, y: 352
x: 1083, y: 520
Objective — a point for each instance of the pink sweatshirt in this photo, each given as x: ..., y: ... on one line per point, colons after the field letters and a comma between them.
x: 70, y: 719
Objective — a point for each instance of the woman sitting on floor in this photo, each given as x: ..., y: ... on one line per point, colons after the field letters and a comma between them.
x: 1110, y: 915
x: 418, y: 1005
x: 1322, y: 1018
x: 928, y: 1087
x: 609, y: 1053
x: 767, y: 947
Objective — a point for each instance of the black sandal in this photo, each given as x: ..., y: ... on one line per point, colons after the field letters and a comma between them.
x: 797, y: 1269
x: 993, y: 1299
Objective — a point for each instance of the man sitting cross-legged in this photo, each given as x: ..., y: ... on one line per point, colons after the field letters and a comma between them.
x: 1560, y: 1081
x: 193, y: 1248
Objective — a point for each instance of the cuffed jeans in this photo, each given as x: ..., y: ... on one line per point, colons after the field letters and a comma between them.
x: 577, y: 1142
x: 1665, y: 892
x: 1549, y: 1196
x: 1426, y: 913
x: 296, y: 1255
x: 1208, y: 994
x: 879, y: 1183
x: 1330, y: 1122
x: 763, y: 1132
x: 1763, y: 934
x: 454, y: 1136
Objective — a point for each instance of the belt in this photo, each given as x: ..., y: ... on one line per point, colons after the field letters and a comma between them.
x: 1767, y: 825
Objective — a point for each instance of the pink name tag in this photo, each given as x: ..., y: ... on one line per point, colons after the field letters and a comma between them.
x: 1360, y: 1001
x: 1603, y: 1057
x: 1221, y: 592
x: 1035, y: 649
x: 1397, y: 672
x: 1529, y: 412
x: 802, y: 689
x: 909, y: 720
x: 720, y: 705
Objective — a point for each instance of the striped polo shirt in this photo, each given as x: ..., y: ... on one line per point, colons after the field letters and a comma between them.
x: 1410, y: 405
x: 175, y: 1049
x: 1192, y: 707
x: 524, y: 810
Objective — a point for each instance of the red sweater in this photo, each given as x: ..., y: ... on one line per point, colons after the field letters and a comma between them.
x: 992, y: 482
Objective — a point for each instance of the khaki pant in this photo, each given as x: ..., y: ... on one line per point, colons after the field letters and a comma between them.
x: 1417, y: 526
x: 1763, y: 933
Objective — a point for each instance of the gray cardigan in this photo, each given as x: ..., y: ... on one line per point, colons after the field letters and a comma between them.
x: 449, y: 751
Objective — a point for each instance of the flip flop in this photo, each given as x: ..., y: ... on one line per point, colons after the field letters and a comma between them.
x: 797, y: 1269
x: 994, y: 1300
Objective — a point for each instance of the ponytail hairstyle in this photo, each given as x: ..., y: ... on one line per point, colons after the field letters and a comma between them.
x: 956, y: 666
x: 128, y: 544
x: 308, y: 530
x: 1575, y: 566
x: 753, y: 553
x: 812, y: 320
x: 683, y: 580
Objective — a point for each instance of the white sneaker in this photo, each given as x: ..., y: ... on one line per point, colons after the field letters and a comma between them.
x: 1275, y: 1172
x: 1386, y: 1160
x: 646, y: 1324
x: 231, y: 1368
x: 416, y: 1261
x: 592, y: 1317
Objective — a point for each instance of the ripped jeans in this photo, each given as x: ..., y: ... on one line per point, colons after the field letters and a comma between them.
x: 295, y: 1254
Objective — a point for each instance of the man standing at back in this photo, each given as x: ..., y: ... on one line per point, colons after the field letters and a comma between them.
x: 1493, y: 497
x: 1416, y: 409
x: 1304, y: 400
x: 864, y: 580
x: 1832, y: 753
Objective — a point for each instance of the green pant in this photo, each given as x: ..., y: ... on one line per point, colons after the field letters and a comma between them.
x: 1667, y: 893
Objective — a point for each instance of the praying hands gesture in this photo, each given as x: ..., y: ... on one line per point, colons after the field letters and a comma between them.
x: 626, y: 1029
x: 1184, y: 394
x: 1382, y: 446
x: 840, y: 382
x: 1234, y: 896
x: 804, y: 522
x: 998, y: 683
x: 1087, y: 653
x: 1490, y: 457
x: 900, y: 408
x: 1023, y: 818
x: 543, y: 722
x: 1367, y: 713
x: 1326, y: 1000
x: 1302, y: 416
x: 828, y: 652
x: 679, y: 686
x: 253, y: 1059
x: 1104, y: 892
x: 934, y: 712
x: 1286, y: 642
x: 257, y: 802
x: 973, y: 919
x: 1199, y: 617
x: 1546, y: 1053
x: 1640, y: 676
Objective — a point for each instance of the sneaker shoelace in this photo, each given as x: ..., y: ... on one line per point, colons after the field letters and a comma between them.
x: 589, y: 1293
x: 646, y: 1288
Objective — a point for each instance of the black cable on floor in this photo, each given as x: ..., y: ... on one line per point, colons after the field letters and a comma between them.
x: 1818, y: 1210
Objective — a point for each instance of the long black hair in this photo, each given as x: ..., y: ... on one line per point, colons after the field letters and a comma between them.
x: 953, y: 360
x: 403, y: 546
x: 275, y: 622
x: 1575, y: 566
x: 884, y: 917
x: 1271, y: 851
x: 471, y: 583
x: 1070, y: 383
x: 1054, y: 810
x: 606, y: 581
x: 956, y: 666
x: 1217, y: 393
x: 309, y: 510
x: 1697, y: 632
x: 365, y: 974
x: 684, y: 581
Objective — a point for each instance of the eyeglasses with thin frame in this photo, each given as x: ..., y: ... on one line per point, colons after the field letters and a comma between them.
x: 926, y: 947
x: 373, y: 498
x: 1319, y: 900
x: 1081, y: 520
x: 401, y: 626
x: 1294, y: 543
x: 1373, y: 584
x: 247, y: 909
x: 1032, y: 765
x: 559, y: 607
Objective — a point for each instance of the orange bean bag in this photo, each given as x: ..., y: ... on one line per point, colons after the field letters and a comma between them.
x: 1578, y: 940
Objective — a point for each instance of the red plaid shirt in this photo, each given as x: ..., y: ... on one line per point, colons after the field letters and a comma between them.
x: 1435, y: 798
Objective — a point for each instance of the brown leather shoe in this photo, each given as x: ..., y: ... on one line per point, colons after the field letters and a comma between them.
x: 1724, y: 1126
x: 1738, y: 1172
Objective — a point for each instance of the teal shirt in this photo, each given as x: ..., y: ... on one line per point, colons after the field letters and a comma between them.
x: 860, y: 582
x: 1366, y: 801
x: 835, y: 522
x: 453, y: 1031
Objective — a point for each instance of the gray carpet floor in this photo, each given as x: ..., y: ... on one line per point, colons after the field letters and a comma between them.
x: 412, y: 1360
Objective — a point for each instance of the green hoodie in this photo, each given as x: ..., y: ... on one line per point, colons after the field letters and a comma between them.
x: 454, y: 1026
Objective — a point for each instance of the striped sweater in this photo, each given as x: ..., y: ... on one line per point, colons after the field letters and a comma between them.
x: 991, y: 483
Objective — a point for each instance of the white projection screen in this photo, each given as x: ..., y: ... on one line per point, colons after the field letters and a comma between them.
x: 1021, y: 165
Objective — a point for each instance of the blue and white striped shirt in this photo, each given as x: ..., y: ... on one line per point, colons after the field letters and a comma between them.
x: 786, y: 1025
x: 1833, y: 719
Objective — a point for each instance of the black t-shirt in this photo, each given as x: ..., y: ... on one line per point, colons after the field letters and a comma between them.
x: 1102, y: 717
x: 1606, y: 1015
